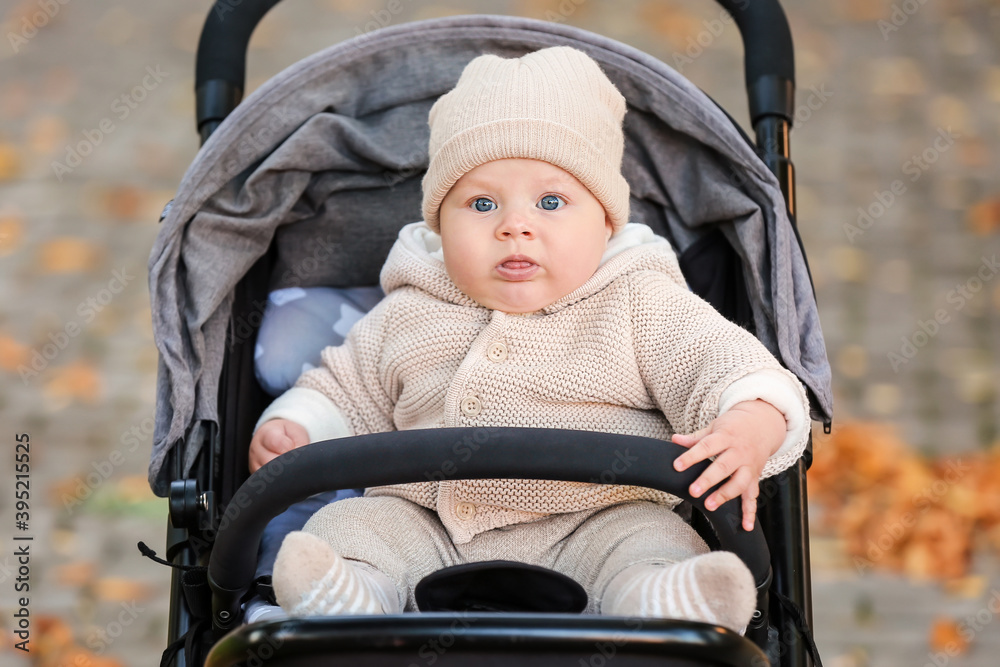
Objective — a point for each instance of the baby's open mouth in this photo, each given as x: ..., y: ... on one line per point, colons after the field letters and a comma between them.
x: 517, y: 267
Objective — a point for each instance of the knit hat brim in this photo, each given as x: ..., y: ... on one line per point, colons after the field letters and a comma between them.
x: 530, y: 138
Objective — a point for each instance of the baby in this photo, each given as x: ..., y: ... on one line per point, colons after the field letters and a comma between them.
x: 525, y: 298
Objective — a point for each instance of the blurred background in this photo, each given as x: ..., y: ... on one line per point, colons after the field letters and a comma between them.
x: 896, y: 144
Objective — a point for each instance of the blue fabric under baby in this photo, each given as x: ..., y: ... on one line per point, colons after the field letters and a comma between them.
x: 298, y: 323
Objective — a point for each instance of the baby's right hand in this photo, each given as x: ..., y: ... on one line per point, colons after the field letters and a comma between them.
x: 274, y: 438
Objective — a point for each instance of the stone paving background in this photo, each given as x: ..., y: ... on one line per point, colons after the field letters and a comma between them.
x: 896, y: 145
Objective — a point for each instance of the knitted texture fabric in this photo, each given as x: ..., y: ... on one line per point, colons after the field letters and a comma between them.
x: 554, y: 105
x: 406, y: 542
x: 631, y: 351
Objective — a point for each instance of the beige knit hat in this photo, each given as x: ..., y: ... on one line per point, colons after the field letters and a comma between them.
x: 554, y: 105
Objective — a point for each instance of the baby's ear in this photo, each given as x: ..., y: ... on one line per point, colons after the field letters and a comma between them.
x: 610, y: 228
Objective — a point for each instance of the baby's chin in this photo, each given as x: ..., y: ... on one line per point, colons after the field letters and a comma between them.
x: 512, y: 304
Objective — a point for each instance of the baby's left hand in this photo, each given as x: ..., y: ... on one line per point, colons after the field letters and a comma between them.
x: 741, y: 439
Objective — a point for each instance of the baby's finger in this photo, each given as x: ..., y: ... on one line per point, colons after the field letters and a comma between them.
x: 705, y: 448
x: 277, y: 442
x: 258, y: 457
x: 686, y: 440
x: 749, y: 507
x: 737, y: 484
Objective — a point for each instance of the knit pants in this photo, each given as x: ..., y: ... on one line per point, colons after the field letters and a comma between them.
x: 407, y: 542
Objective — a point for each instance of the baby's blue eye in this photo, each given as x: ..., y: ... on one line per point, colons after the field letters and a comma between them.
x: 551, y: 202
x: 483, y: 205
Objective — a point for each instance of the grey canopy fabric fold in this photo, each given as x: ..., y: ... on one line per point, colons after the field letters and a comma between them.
x: 326, y: 160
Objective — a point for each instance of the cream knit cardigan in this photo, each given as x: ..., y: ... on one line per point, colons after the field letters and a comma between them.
x: 632, y: 351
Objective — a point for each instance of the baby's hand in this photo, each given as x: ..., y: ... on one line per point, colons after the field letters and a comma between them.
x: 274, y: 438
x: 741, y: 439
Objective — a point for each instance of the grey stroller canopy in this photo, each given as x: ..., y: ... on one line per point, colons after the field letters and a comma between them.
x: 325, y: 160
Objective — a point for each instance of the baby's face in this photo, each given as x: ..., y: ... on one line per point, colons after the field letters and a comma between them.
x: 519, y: 234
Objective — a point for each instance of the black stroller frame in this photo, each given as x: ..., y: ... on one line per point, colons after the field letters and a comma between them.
x: 218, y: 513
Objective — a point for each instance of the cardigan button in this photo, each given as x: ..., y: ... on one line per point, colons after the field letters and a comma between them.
x: 465, y: 511
x: 471, y: 406
x: 497, y: 352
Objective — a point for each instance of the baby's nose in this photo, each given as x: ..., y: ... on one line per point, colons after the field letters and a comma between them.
x: 514, y: 224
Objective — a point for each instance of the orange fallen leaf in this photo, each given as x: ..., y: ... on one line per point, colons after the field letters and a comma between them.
x: 75, y: 574
x: 947, y: 638
x: 135, y: 489
x: 124, y: 203
x: 894, y: 509
x: 678, y: 25
x: 12, y: 354
x: 68, y: 255
x: 54, y: 635
x: 984, y: 217
x: 10, y: 162
x: 77, y: 655
x: 863, y: 11
x: 78, y: 380
x: 11, y: 232
x: 119, y: 589
x: 47, y: 133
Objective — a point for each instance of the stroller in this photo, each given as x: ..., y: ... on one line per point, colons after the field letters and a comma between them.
x: 341, y: 139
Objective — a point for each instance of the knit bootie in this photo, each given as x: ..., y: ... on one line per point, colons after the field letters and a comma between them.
x: 311, y: 579
x: 715, y: 588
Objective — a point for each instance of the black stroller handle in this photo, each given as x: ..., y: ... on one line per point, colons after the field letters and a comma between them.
x: 450, y: 454
x: 221, y: 62
x: 220, y: 71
